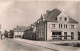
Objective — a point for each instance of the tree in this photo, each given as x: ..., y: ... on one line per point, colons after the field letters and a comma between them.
x: 6, y: 33
x: 11, y: 35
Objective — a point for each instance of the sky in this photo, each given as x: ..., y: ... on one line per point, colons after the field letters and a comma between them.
x: 24, y: 13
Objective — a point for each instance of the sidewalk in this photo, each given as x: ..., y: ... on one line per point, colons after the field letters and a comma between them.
x: 49, y: 45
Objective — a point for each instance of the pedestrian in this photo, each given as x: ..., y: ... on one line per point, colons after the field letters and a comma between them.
x: 1, y: 36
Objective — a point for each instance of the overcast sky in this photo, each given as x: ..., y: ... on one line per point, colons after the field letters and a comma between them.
x: 24, y: 13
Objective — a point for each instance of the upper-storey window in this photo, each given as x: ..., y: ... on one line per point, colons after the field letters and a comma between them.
x: 60, y: 25
x: 72, y: 26
x: 53, y: 25
x: 60, y: 18
x: 65, y: 19
x: 65, y: 25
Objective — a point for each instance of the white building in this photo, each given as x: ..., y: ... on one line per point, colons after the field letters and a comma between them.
x: 61, y: 27
x: 57, y: 26
x: 19, y: 31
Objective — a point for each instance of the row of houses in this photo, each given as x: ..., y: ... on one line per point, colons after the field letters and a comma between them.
x: 54, y: 25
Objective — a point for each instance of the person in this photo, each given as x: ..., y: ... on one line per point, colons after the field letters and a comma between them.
x: 1, y: 36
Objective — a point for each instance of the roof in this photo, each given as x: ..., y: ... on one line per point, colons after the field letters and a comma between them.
x: 72, y: 20
x: 20, y: 28
x: 51, y: 16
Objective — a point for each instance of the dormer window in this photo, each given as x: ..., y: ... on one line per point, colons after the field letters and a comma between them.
x: 60, y: 18
x: 65, y: 19
x: 56, y: 18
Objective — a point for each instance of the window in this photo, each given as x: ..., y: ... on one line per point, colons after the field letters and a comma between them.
x: 72, y: 35
x: 43, y: 19
x: 60, y: 25
x: 65, y: 19
x: 53, y: 25
x: 65, y: 35
x: 72, y: 26
x: 60, y: 18
x: 42, y: 34
x: 66, y: 25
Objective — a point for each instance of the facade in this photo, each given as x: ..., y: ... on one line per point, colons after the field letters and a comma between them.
x: 19, y: 31
x: 40, y: 29
x: 55, y: 25
x: 30, y: 33
x: 65, y: 28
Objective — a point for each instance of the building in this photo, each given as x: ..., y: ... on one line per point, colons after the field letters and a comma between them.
x: 55, y: 25
x: 19, y: 31
x: 30, y: 33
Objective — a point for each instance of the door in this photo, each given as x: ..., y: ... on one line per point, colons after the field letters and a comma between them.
x: 78, y: 35
x: 72, y: 35
x: 65, y: 35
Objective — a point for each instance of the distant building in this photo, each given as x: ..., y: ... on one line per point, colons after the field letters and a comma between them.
x: 55, y: 25
x: 19, y: 31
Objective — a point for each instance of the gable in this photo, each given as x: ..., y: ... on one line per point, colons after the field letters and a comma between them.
x: 52, y: 16
x: 62, y: 17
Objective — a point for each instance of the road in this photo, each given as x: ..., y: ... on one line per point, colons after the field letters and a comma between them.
x: 11, y: 45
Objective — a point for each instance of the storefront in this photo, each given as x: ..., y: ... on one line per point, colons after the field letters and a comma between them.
x: 56, y: 36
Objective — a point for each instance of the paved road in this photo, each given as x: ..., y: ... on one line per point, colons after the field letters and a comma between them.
x: 11, y: 45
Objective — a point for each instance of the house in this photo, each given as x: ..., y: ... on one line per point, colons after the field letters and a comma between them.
x: 19, y: 31
x: 58, y: 26
x: 30, y: 33
x: 54, y: 25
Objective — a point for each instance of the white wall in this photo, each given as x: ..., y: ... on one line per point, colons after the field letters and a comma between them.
x: 18, y: 33
x: 68, y: 30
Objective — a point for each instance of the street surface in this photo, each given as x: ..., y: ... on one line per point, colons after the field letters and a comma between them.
x: 11, y: 45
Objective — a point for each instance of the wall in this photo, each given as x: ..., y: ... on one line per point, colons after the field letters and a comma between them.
x: 18, y: 33
x: 68, y: 30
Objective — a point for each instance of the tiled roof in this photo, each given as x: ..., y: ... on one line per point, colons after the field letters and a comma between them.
x: 52, y: 17
x: 72, y: 20
x: 20, y: 29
